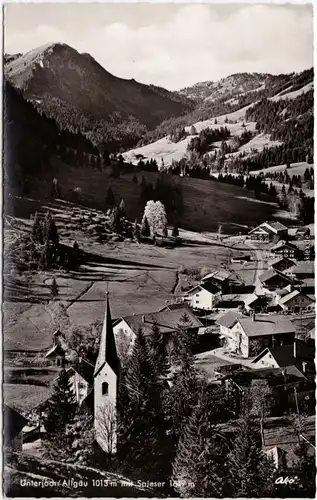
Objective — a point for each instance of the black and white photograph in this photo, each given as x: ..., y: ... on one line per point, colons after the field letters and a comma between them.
x: 158, y: 302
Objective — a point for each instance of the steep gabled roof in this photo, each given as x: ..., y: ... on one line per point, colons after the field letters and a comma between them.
x: 266, y: 325
x: 85, y: 369
x: 208, y: 287
x: 229, y: 319
x: 270, y: 227
x: 284, y: 355
x: 271, y: 273
x: 13, y: 423
x: 303, y: 267
x: 276, y: 226
x: 217, y: 274
x: 291, y: 295
x: 107, y: 347
x: 281, y: 244
x: 166, y: 319
x: 279, y: 260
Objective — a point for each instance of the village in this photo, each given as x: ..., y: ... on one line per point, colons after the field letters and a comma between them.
x: 159, y: 304
x: 247, y: 334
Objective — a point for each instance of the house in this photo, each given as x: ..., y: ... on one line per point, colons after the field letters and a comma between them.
x: 275, y: 385
x: 280, y: 264
x: 287, y: 250
x: 302, y: 233
x: 59, y: 349
x: 247, y: 336
x: 81, y: 376
x: 203, y: 296
x: 272, y: 280
x: 268, y: 231
x: 301, y: 270
x: 281, y: 292
x: 219, y: 278
x: 232, y: 300
x: 13, y: 423
x: 106, y: 375
x: 296, y: 301
x: 279, y: 432
x: 226, y: 322
x: 300, y: 354
x: 166, y: 319
x: 255, y: 303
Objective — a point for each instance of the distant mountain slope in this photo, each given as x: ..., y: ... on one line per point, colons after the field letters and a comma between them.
x: 237, y: 84
x: 62, y: 81
x: 276, y: 116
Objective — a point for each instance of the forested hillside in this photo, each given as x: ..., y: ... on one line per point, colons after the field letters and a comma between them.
x: 80, y: 95
x: 228, y: 97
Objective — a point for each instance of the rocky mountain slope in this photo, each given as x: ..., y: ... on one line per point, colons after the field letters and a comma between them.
x: 82, y: 96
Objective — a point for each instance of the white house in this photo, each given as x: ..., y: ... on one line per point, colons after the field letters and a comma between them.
x: 81, y: 377
x: 203, y: 296
x: 126, y: 328
x: 105, y: 387
x: 299, y: 354
x: 268, y: 230
x: 246, y: 335
x: 296, y: 301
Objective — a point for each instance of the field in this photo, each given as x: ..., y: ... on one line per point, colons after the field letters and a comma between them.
x: 24, y: 396
x: 206, y: 203
x: 295, y: 169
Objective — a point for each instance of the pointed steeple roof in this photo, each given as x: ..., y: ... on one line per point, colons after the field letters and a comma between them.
x: 107, y: 348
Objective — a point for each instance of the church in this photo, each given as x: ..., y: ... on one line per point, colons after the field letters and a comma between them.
x: 106, y: 378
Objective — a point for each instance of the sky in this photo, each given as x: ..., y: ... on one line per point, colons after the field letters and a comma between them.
x: 170, y: 45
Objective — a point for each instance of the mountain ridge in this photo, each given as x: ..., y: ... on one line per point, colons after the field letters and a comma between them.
x: 57, y: 71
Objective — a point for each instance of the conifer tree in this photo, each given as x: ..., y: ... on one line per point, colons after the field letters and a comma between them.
x: 136, y: 230
x: 110, y: 198
x: 54, y: 288
x: 37, y: 231
x: 50, y: 232
x: 115, y: 221
x: 145, y: 227
x: 158, y: 352
x: 61, y: 406
x: 199, y: 467
x: 141, y: 419
x: 250, y: 471
x: 305, y: 469
x: 175, y: 232
x: 122, y: 210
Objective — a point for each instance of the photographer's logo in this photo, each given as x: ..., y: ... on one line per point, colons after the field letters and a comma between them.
x: 286, y: 480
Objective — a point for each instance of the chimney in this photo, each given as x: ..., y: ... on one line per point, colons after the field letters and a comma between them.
x: 304, y: 366
x: 143, y: 319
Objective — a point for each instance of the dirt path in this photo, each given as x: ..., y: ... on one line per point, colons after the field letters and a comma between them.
x: 259, y: 267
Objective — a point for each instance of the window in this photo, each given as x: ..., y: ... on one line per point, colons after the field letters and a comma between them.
x: 270, y: 356
x: 81, y: 385
x: 105, y: 388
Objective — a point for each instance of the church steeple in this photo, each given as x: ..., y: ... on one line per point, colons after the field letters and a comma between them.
x: 107, y: 348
